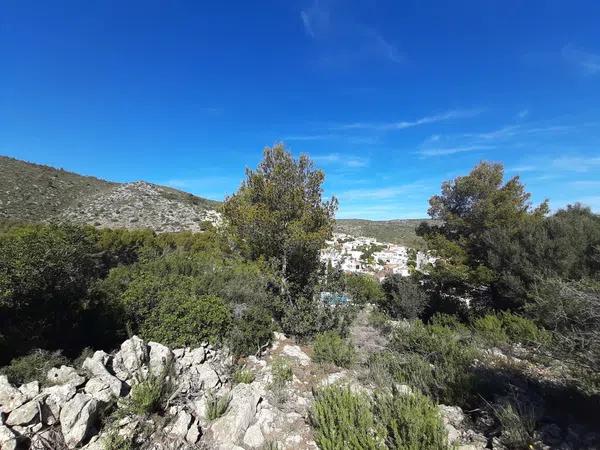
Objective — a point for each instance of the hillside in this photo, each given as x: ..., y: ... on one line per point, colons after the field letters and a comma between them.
x: 401, y: 231
x: 33, y: 193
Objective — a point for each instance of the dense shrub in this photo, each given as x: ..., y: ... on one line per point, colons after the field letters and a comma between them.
x: 404, y: 297
x: 450, y: 354
x: 380, y: 321
x: 410, y: 422
x: 33, y: 366
x: 181, y: 320
x: 45, y: 272
x: 363, y: 288
x: 251, y: 332
x: 490, y: 329
x: 343, y: 420
x: 307, y: 317
x: 330, y: 347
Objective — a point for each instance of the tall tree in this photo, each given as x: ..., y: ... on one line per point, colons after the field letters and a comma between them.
x: 278, y: 214
x: 469, y: 209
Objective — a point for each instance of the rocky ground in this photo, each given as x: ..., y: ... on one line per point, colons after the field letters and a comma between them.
x: 141, y: 205
x: 70, y: 411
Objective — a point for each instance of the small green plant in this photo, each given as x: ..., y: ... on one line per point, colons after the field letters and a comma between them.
x: 329, y: 347
x: 380, y: 321
x: 114, y: 441
x: 281, y: 371
x: 243, y: 375
x: 342, y: 419
x: 216, y: 406
x: 33, y: 366
x: 517, y: 421
x: 523, y: 330
x: 149, y: 394
x: 271, y: 445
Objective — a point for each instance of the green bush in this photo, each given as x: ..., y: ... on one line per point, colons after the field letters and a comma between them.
x: 448, y: 352
x: 149, y: 395
x: 217, y: 406
x: 305, y: 318
x: 33, y: 366
x: 517, y: 423
x: 329, y: 347
x: 114, y: 441
x: 409, y: 422
x: 490, y: 329
x: 181, y: 320
x: 251, y: 332
x: 363, y: 288
x: 343, y: 420
x: 523, y: 330
x: 404, y: 297
x: 243, y: 375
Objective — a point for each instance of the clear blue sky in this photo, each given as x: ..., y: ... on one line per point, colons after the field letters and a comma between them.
x: 389, y: 97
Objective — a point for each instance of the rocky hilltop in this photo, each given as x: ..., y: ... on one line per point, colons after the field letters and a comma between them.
x: 33, y: 193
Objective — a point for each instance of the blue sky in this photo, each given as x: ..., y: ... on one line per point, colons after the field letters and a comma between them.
x: 390, y: 98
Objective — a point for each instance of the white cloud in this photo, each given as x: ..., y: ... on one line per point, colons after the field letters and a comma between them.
x: 588, y: 63
x: 441, y: 151
x: 575, y: 163
x: 401, y: 125
x: 523, y: 114
x: 342, y: 160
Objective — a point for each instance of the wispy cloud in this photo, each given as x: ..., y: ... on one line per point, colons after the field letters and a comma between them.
x: 440, y: 151
x: 522, y: 114
x: 342, y: 39
x: 401, y: 125
x: 576, y: 163
x: 350, y: 161
x: 384, y: 193
x: 310, y: 137
x: 587, y: 62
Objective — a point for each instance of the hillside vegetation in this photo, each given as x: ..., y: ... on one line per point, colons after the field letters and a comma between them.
x: 401, y: 231
x: 37, y: 193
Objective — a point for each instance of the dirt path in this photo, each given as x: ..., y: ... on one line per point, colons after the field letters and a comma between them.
x: 366, y: 339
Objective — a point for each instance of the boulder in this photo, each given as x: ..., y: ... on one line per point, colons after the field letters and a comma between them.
x: 232, y: 426
x: 99, y: 389
x: 254, y: 437
x: 10, y: 396
x: 25, y: 414
x: 194, y: 433
x: 296, y: 353
x: 30, y: 390
x: 65, y: 375
x: 96, y: 366
x: 8, y: 438
x: 77, y: 417
x: 55, y: 398
x: 160, y: 358
x: 180, y: 426
x: 129, y: 361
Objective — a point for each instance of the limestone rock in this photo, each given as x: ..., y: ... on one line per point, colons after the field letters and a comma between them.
x: 55, y: 398
x: 129, y: 361
x: 30, y: 390
x: 160, y: 358
x: 65, y: 375
x: 24, y: 414
x: 193, y: 433
x: 10, y: 396
x: 99, y: 389
x: 181, y: 424
x: 8, y: 438
x: 76, y: 419
x: 254, y: 437
x: 296, y: 353
x: 96, y: 366
x: 233, y: 424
